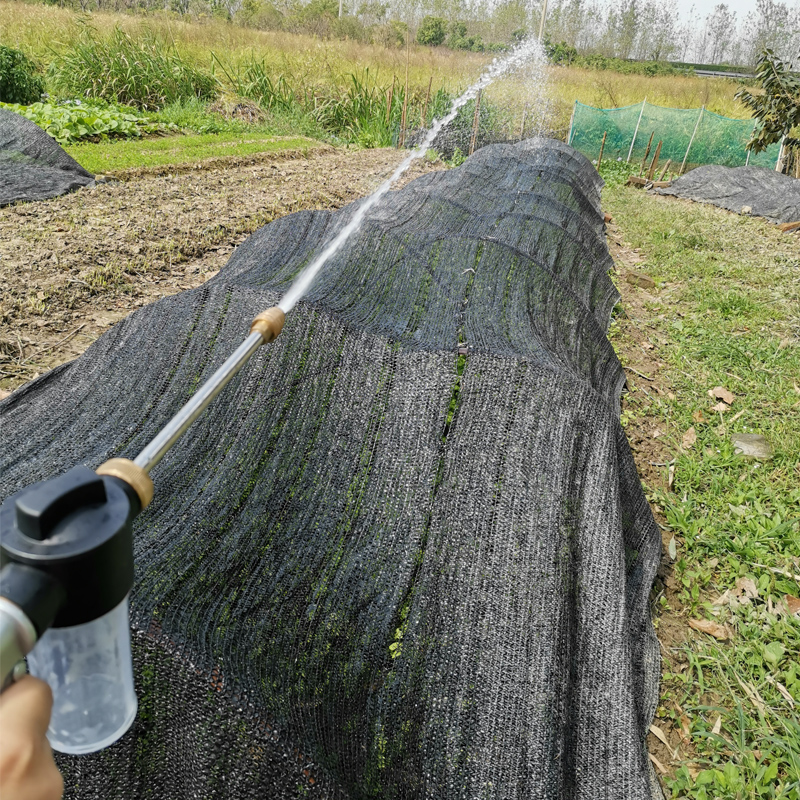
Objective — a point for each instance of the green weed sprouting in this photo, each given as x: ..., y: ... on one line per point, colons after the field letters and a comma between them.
x: 144, y: 72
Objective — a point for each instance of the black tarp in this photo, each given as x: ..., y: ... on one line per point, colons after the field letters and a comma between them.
x: 767, y: 193
x: 33, y: 166
x: 405, y: 553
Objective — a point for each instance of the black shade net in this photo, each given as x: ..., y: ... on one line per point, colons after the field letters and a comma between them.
x: 33, y: 166
x: 406, y: 553
x: 763, y: 191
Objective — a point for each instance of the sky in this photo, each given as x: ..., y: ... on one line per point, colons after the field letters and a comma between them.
x: 702, y: 8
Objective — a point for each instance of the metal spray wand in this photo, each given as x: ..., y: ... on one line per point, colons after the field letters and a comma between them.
x: 66, y: 552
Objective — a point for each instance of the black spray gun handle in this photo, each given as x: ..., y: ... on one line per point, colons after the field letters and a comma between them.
x: 66, y: 553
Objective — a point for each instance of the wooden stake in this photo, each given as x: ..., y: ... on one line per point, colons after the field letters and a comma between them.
x: 647, y: 152
x: 425, y: 107
x: 475, y: 123
x: 654, y: 163
x: 666, y: 167
x: 405, y: 96
x: 602, y: 147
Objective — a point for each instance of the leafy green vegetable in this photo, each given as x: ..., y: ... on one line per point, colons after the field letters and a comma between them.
x: 72, y: 123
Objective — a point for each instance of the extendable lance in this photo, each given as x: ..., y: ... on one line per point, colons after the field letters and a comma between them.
x: 66, y: 552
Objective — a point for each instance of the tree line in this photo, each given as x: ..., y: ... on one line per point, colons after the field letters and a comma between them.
x: 644, y: 30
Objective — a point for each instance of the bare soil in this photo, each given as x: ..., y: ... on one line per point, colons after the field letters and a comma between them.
x: 73, y: 266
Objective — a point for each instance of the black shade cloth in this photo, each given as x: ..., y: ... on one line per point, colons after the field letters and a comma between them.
x: 33, y: 166
x: 405, y: 553
x: 767, y: 193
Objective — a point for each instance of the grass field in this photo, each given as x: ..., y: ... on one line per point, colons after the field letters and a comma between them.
x: 306, y: 64
x: 725, y: 313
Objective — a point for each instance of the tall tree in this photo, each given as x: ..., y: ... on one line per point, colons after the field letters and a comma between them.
x: 721, y: 30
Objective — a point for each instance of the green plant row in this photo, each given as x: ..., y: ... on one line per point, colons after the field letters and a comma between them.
x: 73, y: 123
x: 564, y: 54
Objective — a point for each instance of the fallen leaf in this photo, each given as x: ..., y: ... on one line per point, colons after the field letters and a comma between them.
x: 745, y: 590
x: 711, y: 628
x: 698, y: 417
x: 783, y: 690
x: 713, y: 564
x: 686, y: 730
x: 717, y: 726
x: 671, y: 477
x: 689, y: 438
x: 661, y: 736
x: 752, y: 693
x: 693, y: 771
x: 796, y: 388
x: 659, y: 766
x: 791, y: 604
x: 647, y: 346
x: 721, y: 393
x: 672, y: 549
x: 720, y: 407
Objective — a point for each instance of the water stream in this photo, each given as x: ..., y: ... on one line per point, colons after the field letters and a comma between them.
x: 497, y: 69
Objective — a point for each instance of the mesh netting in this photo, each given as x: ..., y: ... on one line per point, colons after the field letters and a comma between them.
x: 765, y: 192
x: 33, y: 166
x: 406, y: 553
x: 714, y: 139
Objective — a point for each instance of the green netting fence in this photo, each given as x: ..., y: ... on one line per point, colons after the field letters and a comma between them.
x: 707, y: 137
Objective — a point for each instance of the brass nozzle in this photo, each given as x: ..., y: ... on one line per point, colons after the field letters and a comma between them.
x: 132, y: 474
x: 269, y: 323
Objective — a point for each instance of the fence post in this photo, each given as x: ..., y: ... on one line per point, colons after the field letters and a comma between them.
x: 654, y: 164
x: 636, y: 132
x: 779, y: 163
x: 647, y: 152
x: 475, y: 123
x: 602, y: 147
x: 696, y: 126
x: 571, y: 123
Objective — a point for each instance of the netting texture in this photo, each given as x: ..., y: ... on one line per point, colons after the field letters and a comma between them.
x: 405, y: 553
x: 714, y: 139
x: 767, y: 193
x: 33, y: 166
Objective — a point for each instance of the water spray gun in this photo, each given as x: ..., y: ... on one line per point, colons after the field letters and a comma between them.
x: 66, y: 552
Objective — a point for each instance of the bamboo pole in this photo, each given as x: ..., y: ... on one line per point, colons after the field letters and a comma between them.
x: 747, y: 160
x: 654, y: 164
x: 694, y: 132
x: 636, y: 132
x: 427, y: 100
x: 666, y: 167
x: 602, y: 147
x: 475, y: 123
x: 571, y: 123
x: 779, y: 163
x: 647, y: 152
x: 541, y: 21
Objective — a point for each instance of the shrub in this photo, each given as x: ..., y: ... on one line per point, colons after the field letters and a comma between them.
x: 432, y: 31
x: 145, y: 72
x: 19, y: 82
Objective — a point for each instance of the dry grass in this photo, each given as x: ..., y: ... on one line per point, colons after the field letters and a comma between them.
x: 42, y: 30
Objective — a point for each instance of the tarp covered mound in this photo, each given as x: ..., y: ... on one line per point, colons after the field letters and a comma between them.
x: 768, y: 193
x: 406, y: 553
x: 33, y: 166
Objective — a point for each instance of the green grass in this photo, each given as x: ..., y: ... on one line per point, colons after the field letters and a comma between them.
x: 110, y: 157
x: 726, y: 314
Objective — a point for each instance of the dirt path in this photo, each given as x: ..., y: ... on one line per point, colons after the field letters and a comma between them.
x: 72, y: 267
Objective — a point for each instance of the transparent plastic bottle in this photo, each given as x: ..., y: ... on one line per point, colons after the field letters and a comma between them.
x: 90, y: 671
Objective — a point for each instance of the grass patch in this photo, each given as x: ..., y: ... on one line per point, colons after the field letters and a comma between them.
x: 111, y: 157
x: 727, y: 314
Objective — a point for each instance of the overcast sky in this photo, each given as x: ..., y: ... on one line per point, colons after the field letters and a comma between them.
x: 702, y: 8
